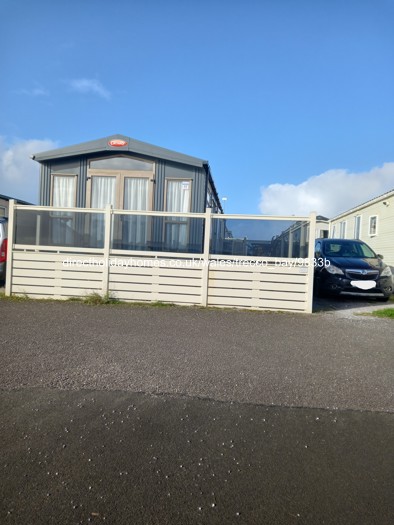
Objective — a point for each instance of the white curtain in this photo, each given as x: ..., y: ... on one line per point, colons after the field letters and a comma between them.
x: 178, y: 196
x: 136, y: 198
x: 103, y: 191
x: 63, y: 196
x: 63, y: 191
x: 178, y: 200
x: 136, y: 193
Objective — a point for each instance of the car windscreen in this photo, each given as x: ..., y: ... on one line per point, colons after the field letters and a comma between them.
x: 348, y: 249
x: 3, y: 228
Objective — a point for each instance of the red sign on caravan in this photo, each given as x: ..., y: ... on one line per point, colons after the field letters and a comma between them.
x: 117, y: 143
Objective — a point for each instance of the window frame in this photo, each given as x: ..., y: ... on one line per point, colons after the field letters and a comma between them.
x: 373, y: 234
x: 177, y: 179
x: 177, y: 220
x: 209, y: 200
x: 107, y: 157
x: 60, y: 214
x: 357, y: 222
x: 342, y: 229
x: 74, y: 175
x: 333, y: 230
x: 120, y: 176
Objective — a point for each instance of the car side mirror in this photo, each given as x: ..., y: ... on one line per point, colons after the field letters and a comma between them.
x: 379, y: 256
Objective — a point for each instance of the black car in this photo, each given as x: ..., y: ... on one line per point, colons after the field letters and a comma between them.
x: 351, y: 267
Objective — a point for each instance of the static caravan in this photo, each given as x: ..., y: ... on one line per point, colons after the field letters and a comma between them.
x: 4, y: 204
x: 134, y: 176
x: 372, y: 222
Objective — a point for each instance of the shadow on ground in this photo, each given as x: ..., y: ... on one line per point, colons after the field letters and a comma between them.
x: 124, y: 458
x: 333, y: 304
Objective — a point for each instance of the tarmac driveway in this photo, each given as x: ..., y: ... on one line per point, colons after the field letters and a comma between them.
x: 266, y: 358
x: 143, y: 415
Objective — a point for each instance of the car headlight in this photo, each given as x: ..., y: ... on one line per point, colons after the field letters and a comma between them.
x: 386, y: 272
x: 334, y: 270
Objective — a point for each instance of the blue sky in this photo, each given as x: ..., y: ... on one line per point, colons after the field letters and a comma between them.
x: 292, y: 102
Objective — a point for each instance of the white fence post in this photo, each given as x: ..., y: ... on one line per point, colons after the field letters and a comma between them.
x: 311, y: 268
x: 107, y: 246
x: 38, y: 229
x: 8, y: 277
x: 205, y: 268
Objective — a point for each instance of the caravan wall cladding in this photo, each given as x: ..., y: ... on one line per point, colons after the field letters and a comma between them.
x: 236, y: 261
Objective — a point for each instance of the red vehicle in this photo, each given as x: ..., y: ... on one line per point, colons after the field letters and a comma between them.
x: 3, y: 246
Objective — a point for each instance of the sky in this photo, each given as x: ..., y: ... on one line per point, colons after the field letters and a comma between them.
x: 291, y: 102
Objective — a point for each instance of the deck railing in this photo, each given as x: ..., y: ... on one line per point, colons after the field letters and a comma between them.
x: 261, y: 262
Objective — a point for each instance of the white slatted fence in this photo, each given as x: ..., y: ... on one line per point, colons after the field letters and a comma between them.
x: 226, y: 281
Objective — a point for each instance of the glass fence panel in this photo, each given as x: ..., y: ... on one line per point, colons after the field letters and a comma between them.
x: 59, y: 228
x: 260, y: 238
x: 171, y: 233
x: 158, y: 234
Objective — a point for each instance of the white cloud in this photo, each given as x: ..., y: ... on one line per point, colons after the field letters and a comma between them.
x: 34, y: 92
x: 89, y: 85
x: 328, y: 194
x: 19, y: 174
